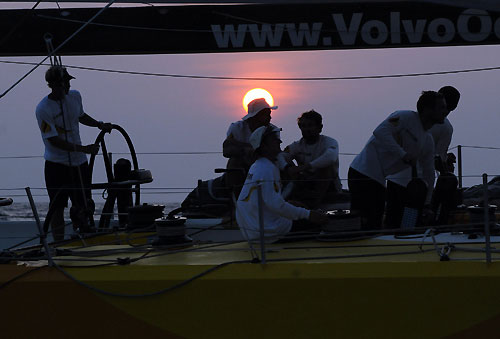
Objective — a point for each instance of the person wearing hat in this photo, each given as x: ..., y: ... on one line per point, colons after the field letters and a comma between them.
x: 237, y: 148
x: 66, y: 170
x: 279, y: 216
x: 317, y: 171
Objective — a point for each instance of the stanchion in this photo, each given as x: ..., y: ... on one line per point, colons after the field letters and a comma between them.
x: 486, y: 219
x: 43, y: 237
x: 459, y: 152
x: 261, y: 225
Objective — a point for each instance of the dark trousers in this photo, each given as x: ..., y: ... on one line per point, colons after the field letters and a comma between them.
x: 396, y: 197
x: 367, y: 198
x: 444, y: 198
x: 65, y: 182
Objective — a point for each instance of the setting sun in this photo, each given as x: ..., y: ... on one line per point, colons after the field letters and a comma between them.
x: 255, y: 94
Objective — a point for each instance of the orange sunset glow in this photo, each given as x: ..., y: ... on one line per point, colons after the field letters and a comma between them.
x: 255, y: 94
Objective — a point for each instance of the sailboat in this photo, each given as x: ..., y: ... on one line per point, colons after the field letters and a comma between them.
x: 343, y: 283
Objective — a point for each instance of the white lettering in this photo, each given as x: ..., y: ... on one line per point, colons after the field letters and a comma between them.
x: 223, y: 37
x: 448, y: 27
x: 395, y: 28
x: 347, y: 35
x: 414, y: 33
x: 497, y: 28
x: 311, y: 36
x: 266, y: 34
x: 463, y: 25
x: 374, y: 32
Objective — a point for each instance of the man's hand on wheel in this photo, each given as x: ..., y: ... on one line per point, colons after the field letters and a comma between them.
x: 105, y: 126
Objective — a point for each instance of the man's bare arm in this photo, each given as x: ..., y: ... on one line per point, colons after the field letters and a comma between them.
x: 87, y: 120
x: 70, y: 147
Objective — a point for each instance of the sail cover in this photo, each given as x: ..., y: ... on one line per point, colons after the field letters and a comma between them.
x: 251, y: 27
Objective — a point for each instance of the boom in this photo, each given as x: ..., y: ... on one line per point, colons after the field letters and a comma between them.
x: 252, y: 27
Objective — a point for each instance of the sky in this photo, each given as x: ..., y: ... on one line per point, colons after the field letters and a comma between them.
x: 192, y: 115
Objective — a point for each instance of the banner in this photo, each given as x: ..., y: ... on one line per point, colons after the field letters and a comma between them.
x: 243, y: 28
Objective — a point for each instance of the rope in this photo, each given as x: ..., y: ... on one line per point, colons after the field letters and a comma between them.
x: 221, y: 77
x: 58, y: 48
x: 217, y: 267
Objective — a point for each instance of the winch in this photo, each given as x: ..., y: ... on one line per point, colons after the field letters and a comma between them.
x: 171, y: 230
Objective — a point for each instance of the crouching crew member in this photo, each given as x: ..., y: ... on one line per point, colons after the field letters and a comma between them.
x: 396, y: 145
x: 317, y: 172
x: 278, y: 215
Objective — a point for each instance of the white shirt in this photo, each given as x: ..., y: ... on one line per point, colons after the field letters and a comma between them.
x: 278, y: 215
x: 52, y: 123
x: 241, y: 131
x: 323, y: 153
x: 401, y: 133
x: 442, y: 133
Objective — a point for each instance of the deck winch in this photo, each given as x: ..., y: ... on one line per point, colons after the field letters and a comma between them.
x: 171, y: 230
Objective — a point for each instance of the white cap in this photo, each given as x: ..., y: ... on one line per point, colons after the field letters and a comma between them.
x: 259, y: 134
x: 257, y: 105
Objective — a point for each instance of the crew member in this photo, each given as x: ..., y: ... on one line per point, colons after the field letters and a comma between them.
x: 237, y: 148
x: 397, y: 144
x: 278, y: 215
x: 66, y: 170
x: 317, y: 157
x: 444, y: 197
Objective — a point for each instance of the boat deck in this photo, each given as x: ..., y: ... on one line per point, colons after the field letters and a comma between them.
x: 412, y: 286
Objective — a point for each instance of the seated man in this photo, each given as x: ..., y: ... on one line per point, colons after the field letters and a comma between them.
x: 278, y: 215
x: 236, y: 147
x: 317, y: 157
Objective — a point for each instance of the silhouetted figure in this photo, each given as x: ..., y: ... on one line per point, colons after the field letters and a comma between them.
x: 66, y: 170
x: 444, y: 199
x: 316, y: 174
x: 237, y: 148
x: 278, y: 216
x: 398, y: 143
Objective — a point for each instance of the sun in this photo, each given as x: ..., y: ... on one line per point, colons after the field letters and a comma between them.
x: 257, y: 93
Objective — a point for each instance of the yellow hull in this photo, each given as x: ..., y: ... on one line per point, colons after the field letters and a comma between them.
x: 395, y: 295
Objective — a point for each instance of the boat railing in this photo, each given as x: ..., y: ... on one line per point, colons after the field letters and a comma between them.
x: 184, y: 190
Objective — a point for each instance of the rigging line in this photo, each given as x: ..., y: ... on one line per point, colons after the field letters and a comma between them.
x: 22, y: 157
x: 152, y: 153
x: 481, y: 147
x: 50, y: 17
x: 167, y: 153
x: 58, y: 47
x: 361, y: 77
x: 214, y: 268
x: 18, y: 24
x: 149, y: 294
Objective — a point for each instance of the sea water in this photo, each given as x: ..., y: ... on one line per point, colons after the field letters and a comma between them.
x: 17, y: 221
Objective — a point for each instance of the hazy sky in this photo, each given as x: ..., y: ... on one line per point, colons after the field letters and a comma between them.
x: 189, y: 115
